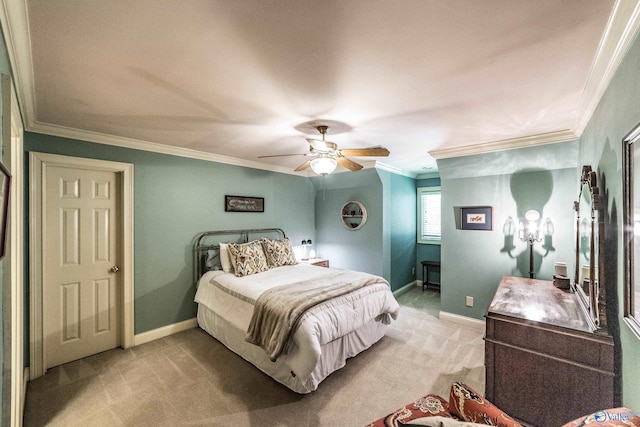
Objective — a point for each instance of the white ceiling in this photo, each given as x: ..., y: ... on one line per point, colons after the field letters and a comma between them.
x: 234, y: 80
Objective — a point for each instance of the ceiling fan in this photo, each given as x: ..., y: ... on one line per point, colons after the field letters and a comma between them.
x: 326, y: 155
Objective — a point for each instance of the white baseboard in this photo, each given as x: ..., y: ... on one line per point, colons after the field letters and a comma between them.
x: 164, y: 331
x: 462, y: 320
x: 406, y: 288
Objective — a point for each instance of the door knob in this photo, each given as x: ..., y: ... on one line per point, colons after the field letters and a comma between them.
x: 115, y: 269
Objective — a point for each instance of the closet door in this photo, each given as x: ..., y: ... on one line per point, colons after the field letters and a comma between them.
x: 81, y: 280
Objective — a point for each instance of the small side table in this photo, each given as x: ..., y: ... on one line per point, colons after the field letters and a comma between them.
x: 320, y: 262
x: 427, y: 268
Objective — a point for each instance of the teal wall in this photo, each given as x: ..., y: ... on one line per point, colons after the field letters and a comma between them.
x: 175, y: 199
x: 426, y: 252
x: 401, y: 203
x: 386, y: 244
x: 473, y: 262
x: 361, y: 249
x: 601, y: 146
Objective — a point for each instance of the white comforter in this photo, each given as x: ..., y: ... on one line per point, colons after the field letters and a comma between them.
x: 233, y: 298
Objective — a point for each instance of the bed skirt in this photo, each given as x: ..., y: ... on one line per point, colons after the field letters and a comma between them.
x: 334, y: 354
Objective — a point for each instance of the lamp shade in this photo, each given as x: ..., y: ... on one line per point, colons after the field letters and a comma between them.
x: 323, y: 165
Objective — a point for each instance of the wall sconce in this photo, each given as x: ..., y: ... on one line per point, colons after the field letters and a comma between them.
x: 531, y: 232
x: 305, y: 244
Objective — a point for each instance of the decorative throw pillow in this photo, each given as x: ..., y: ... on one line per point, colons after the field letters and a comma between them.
x: 248, y: 258
x: 468, y: 405
x: 607, y: 418
x: 430, y: 405
x: 278, y: 252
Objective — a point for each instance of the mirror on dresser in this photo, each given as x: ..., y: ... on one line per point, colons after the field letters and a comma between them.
x: 631, y: 220
x: 589, y: 230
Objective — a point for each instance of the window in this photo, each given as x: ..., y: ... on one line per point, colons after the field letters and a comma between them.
x: 429, y: 215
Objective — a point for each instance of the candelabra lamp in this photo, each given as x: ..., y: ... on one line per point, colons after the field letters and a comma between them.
x: 531, y: 232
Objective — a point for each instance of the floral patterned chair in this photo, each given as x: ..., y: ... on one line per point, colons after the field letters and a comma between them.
x: 468, y: 408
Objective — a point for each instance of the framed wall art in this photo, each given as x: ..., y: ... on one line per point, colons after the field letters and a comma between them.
x: 476, y: 218
x: 243, y: 204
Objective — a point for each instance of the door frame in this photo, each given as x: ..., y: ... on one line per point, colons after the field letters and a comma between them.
x: 16, y: 250
x: 38, y: 164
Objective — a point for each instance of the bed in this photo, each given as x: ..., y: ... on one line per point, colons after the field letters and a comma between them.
x: 327, y: 315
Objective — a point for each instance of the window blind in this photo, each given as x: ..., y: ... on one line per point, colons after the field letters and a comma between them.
x: 430, y: 202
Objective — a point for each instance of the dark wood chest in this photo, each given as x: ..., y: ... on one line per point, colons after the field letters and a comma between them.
x: 544, y: 364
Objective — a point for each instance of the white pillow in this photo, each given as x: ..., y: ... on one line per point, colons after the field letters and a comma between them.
x: 225, y: 261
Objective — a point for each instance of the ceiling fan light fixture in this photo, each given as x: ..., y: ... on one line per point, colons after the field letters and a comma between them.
x: 323, y: 165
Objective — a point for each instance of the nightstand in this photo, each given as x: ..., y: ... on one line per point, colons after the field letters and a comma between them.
x: 320, y: 262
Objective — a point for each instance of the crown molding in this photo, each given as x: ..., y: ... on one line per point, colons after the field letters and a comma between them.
x: 135, y: 144
x: 506, y: 144
x: 428, y: 175
x: 393, y: 169
x: 15, y: 29
x: 620, y: 32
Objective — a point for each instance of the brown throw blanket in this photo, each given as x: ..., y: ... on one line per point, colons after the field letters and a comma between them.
x: 278, y: 311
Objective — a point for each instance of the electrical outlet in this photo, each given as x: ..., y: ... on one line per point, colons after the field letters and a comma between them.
x: 413, y: 271
x: 469, y: 301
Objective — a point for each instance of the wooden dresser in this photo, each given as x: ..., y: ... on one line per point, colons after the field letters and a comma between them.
x: 544, y: 365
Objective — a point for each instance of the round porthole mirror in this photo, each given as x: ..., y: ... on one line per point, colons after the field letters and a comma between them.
x: 353, y: 215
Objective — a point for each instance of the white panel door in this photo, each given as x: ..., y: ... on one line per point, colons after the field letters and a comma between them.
x: 81, y: 285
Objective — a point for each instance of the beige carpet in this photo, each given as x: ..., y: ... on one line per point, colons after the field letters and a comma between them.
x: 191, y: 379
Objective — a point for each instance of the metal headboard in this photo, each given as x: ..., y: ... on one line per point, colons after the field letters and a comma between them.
x: 210, y: 241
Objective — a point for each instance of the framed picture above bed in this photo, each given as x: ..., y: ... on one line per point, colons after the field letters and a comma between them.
x: 243, y: 204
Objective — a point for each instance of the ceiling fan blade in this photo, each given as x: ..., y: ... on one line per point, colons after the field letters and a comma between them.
x: 323, y: 146
x: 303, y: 166
x: 282, y: 155
x: 349, y: 164
x: 374, y: 151
x: 318, y: 144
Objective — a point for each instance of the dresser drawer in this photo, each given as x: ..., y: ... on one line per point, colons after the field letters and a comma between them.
x: 573, y: 346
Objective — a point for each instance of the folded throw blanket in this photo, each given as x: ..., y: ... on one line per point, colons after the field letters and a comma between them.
x: 278, y: 311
